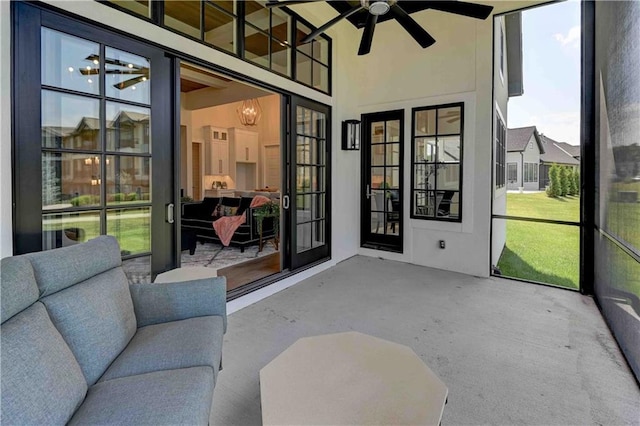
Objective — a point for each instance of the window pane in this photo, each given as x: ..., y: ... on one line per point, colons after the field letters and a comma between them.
x: 392, y: 178
x: 280, y: 24
x: 256, y: 46
x: 128, y: 129
x: 303, y: 69
x: 303, y: 31
x: 70, y: 62
x: 449, y: 149
x: 377, y: 132
x: 139, y: 7
x: 393, y: 154
x: 70, y: 180
x: 423, y: 203
x: 393, y: 131
x: 219, y: 28
x: 425, y: 149
x: 69, y: 121
x: 132, y: 229
x: 128, y: 179
x: 448, y: 120
x: 227, y: 5
x: 320, y: 76
x: 257, y: 16
x: 304, y: 179
x: 318, y: 233
x: 183, y: 16
x: 377, y: 155
x: 377, y: 177
x: 303, y: 236
x: 425, y: 122
x: 280, y: 55
x: 448, y: 176
x: 127, y: 76
x: 321, y: 50
x: 62, y: 230
x: 425, y: 176
x: 448, y: 204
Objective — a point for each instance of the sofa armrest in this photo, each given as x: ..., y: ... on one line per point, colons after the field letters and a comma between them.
x: 164, y: 302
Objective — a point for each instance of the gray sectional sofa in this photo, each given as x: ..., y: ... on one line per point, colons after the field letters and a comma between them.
x: 82, y: 346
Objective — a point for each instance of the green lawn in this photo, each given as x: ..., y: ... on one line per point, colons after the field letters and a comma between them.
x: 542, y: 252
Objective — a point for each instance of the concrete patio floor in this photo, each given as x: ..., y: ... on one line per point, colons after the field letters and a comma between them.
x: 509, y: 352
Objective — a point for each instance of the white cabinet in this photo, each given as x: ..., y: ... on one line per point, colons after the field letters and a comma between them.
x: 245, y: 145
x: 216, y: 151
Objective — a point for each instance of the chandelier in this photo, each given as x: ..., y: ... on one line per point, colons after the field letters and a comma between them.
x: 249, y: 112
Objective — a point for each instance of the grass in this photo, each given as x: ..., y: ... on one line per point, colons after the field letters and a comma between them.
x: 542, y: 252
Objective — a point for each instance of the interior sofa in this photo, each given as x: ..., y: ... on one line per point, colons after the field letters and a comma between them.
x: 80, y: 345
x: 198, y: 218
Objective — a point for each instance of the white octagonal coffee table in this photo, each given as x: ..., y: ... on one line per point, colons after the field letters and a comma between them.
x: 350, y: 379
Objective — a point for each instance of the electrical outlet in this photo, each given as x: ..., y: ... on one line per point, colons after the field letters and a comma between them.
x: 441, y: 244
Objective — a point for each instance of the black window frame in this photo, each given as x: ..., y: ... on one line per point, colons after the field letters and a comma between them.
x: 501, y: 153
x: 460, y: 163
x: 157, y: 18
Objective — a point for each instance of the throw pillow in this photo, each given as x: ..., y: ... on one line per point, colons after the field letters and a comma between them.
x: 230, y: 211
x: 217, y: 211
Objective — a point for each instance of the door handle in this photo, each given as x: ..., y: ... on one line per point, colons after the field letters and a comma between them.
x: 369, y: 194
x: 170, y: 213
x: 285, y: 202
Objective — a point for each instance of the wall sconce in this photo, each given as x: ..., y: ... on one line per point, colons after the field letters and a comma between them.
x: 249, y: 112
x: 351, y: 135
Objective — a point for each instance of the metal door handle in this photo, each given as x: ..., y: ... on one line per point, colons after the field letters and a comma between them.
x: 369, y: 194
x: 285, y: 202
x: 170, y: 213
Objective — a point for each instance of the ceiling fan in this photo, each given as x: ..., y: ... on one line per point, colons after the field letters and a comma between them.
x: 141, y: 71
x: 374, y: 9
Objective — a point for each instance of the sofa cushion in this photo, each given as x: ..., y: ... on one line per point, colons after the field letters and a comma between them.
x: 42, y: 382
x: 19, y: 288
x: 171, y: 397
x: 58, y: 269
x: 178, y: 344
x: 96, y: 319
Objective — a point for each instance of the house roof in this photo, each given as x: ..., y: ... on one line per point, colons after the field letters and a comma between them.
x: 517, y: 139
x: 554, y: 152
x: 573, y: 150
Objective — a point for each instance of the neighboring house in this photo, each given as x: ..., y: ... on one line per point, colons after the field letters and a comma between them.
x: 524, y: 147
x: 560, y: 153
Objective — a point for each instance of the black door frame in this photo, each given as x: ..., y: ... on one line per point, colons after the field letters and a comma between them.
x: 27, y: 21
x: 393, y: 243
x: 301, y: 260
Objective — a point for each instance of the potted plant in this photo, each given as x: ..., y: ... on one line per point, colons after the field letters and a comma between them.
x: 270, y: 209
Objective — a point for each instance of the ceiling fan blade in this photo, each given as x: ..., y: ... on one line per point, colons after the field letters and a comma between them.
x: 275, y: 3
x: 473, y: 10
x: 329, y: 24
x: 418, y: 33
x: 124, y: 84
x: 367, y: 34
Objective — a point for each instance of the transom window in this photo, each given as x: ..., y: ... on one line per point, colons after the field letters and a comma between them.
x: 263, y: 36
x: 436, y: 150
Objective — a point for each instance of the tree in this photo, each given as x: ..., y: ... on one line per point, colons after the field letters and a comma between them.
x: 576, y: 182
x: 554, y: 189
x: 570, y: 189
x: 564, y: 181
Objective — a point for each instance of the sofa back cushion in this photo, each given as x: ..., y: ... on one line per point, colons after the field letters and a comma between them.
x: 19, y: 288
x: 42, y: 382
x: 90, y: 304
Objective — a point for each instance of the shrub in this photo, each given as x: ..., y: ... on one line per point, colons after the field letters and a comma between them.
x: 132, y: 196
x: 85, y: 200
x: 555, y: 187
x: 576, y: 182
x: 569, y: 173
x: 564, y: 180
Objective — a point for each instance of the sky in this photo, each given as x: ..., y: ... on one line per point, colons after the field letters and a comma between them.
x: 551, y: 67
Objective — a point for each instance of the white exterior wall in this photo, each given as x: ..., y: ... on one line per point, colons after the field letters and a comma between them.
x: 501, y: 99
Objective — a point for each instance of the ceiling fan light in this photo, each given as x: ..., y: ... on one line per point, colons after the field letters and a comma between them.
x: 377, y: 7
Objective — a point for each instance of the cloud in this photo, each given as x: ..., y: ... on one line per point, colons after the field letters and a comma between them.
x: 572, y: 38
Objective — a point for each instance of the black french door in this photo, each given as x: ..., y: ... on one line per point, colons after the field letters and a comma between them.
x: 382, y: 177
x: 309, y: 198
x: 93, y: 140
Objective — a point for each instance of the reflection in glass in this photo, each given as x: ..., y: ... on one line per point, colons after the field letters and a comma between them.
x: 425, y: 149
x: 303, y: 237
x: 392, y: 178
x: 449, y: 120
x: 138, y: 269
x: 69, y: 62
x: 318, y: 233
x: 393, y: 154
x: 280, y: 23
x: 128, y: 179
x: 393, y: 131
x: 321, y: 50
x: 449, y: 149
x: 377, y: 132
x: 65, y: 229
x: 70, y: 121
x: 127, y: 76
x: 302, y: 31
x: 219, y: 27
x: 425, y: 122
x: 280, y: 55
x: 448, y: 176
x: 70, y: 180
x: 258, y: 16
x: 128, y: 129
x: 132, y: 229
x: 425, y: 177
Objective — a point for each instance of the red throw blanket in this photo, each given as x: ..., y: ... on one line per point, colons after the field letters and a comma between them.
x: 226, y: 226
